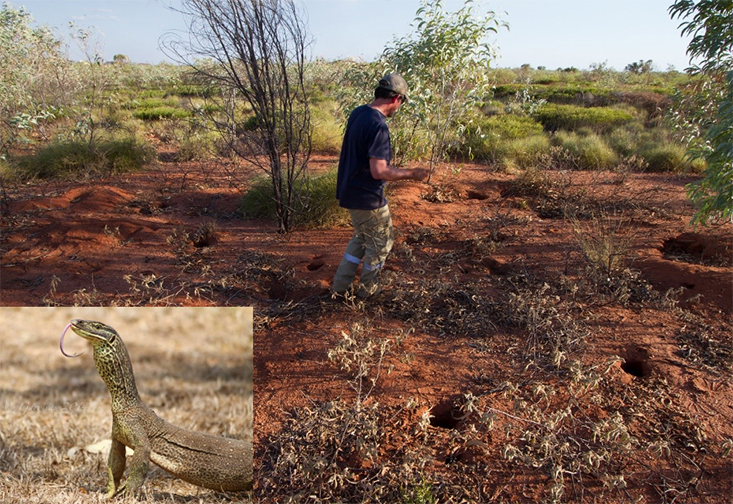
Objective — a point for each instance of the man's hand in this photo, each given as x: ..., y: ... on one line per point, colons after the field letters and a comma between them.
x: 420, y: 173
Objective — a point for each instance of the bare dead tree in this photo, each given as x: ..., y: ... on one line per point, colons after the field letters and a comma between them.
x: 255, y: 51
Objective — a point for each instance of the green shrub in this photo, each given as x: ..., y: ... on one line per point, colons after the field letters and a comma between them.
x: 326, y: 131
x: 251, y: 123
x: 502, y: 138
x: 194, y: 90
x: 197, y: 145
x: 210, y: 108
x: 623, y: 141
x: 511, y: 126
x: 258, y: 202
x: 556, y: 117
x: 502, y: 75
x: 149, y: 93
x: 6, y: 170
x: 317, y: 208
x: 524, y: 152
x: 507, y: 90
x: 322, y: 208
x: 164, y: 112
x: 142, y: 103
x: 668, y: 157
x: 79, y: 159
x: 589, y: 151
x: 150, y: 103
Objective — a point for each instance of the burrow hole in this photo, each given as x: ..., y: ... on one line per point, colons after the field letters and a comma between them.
x: 316, y: 264
x: 445, y: 415
x: 476, y: 195
x: 637, y: 362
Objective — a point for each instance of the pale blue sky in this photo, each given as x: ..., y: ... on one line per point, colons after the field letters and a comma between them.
x: 551, y: 33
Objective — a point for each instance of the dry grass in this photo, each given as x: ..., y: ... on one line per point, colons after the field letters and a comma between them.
x: 193, y: 366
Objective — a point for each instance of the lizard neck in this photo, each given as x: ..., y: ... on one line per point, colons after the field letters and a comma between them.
x: 115, y: 368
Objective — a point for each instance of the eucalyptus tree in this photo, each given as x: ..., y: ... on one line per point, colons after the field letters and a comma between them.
x: 446, y: 62
x: 255, y: 52
x: 710, y: 23
x: 33, y: 72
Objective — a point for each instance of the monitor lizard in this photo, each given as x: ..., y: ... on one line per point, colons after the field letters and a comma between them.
x: 205, y: 460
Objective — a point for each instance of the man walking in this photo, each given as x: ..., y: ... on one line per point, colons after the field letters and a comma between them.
x: 364, y: 168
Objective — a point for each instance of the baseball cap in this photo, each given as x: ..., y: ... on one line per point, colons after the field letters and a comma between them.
x: 394, y: 82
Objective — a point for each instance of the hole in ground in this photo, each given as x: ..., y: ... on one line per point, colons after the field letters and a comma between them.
x: 637, y: 362
x: 476, y: 195
x: 698, y: 249
x: 638, y: 368
x: 277, y: 291
x: 204, y: 241
x: 444, y: 415
x: 316, y: 265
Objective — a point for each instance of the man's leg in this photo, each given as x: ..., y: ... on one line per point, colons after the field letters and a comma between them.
x: 355, y: 250
x: 378, y: 241
x: 347, y: 269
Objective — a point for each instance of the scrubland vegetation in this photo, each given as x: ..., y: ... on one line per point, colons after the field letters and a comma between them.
x: 94, y: 118
x: 583, y: 120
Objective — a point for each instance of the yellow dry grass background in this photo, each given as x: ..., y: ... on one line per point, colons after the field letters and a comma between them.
x: 193, y: 367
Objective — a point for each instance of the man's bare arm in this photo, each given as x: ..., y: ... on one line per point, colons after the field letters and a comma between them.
x: 380, y: 170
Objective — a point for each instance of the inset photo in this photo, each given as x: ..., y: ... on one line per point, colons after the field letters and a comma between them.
x: 150, y: 403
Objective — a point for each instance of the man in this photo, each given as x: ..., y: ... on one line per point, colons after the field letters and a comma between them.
x: 364, y: 168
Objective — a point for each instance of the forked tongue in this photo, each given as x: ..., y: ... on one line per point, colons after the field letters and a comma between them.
x: 61, y: 342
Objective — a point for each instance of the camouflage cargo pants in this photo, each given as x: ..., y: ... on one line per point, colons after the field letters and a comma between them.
x: 370, y: 244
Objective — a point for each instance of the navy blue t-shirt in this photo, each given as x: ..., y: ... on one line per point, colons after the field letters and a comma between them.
x: 366, y: 136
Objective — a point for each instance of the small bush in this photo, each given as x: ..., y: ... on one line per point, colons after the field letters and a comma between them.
x: 524, y: 152
x: 605, y: 244
x: 321, y: 208
x: 163, y: 112
x: 79, y: 159
x: 665, y: 158
x: 251, y: 123
x: 506, y: 139
x: 623, y: 141
x: 317, y: 207
x: 589, y: 151
x: 258, y: 202
x: 194, y: 90
x: 531, y: 183
x: 149, y: 93
x: 511, y: 126
x: 152, y: 102
x: 326, y: 132
x: 571, y: 117
x: 209, y: 108
x: 197, y: 145
x: 7, y: 174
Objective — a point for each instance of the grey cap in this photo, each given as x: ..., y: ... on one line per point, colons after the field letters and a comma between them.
x: 394, y: 82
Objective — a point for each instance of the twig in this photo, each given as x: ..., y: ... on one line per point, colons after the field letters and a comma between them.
x: 518, y: 418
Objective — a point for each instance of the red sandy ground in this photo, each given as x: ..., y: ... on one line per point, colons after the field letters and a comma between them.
x: 112, y: 241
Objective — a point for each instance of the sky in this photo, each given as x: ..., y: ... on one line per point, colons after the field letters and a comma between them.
x: 549, y: 33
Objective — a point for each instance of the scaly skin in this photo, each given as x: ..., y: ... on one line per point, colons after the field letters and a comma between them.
x: 219, y: 463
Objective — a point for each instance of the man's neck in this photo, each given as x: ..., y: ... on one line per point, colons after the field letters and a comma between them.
x: 381, y: 105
